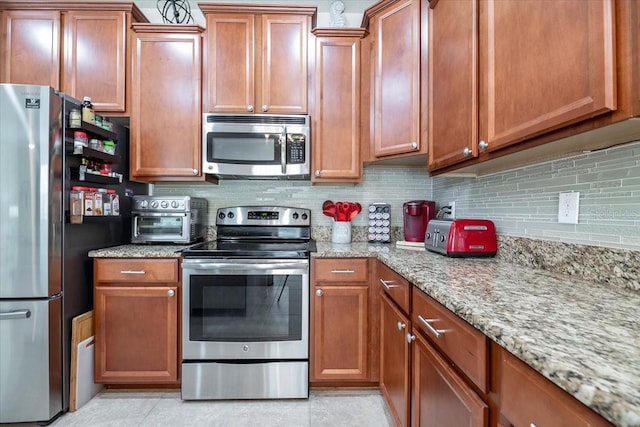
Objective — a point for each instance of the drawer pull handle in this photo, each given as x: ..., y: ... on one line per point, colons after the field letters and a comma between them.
x: 132, y: 272
x: 410, y: 338
x: 319, y: 292
x: 171, y: 293
x: 386, y: 284
x: 532, y: 425
x: 401, y: 326
x: 342, y: 271
x: 434, y: 331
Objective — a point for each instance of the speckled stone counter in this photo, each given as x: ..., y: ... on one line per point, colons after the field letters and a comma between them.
x: 583, y: 336
x: 139, y: 251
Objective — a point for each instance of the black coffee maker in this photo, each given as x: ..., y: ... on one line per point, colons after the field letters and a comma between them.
x: 416, y: 216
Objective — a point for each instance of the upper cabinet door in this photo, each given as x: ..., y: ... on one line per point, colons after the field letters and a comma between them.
x: 95, y: 58
x: 284, y: 64
x: 453, y: 81
x: 336, y: 107
x: 397, y: 79
x: 230, y: 57
x: 31, y: 48
x: 256, y: 62
x: 544, y: 65
x: 166, y: 103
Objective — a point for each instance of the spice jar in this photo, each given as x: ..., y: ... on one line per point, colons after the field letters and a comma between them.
x: 75, y: 119
x: 88, y: 115
x: 79, y: 141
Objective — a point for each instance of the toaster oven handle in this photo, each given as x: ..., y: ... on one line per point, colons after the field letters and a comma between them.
x: 135, y: 226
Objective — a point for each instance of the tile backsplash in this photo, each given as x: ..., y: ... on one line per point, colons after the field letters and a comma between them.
x: 522, y: 202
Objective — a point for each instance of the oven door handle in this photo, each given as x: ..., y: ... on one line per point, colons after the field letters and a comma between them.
x: 244, y: 265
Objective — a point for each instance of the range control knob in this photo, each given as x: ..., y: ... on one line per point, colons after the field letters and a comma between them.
x: 154, y: 204
x: 305, y: 216
x: 230, y: 214
x: 295, y: 215
x: 144, y: 204
x: 174, y: 204
x: 164, y: 204
x: 221, y: 215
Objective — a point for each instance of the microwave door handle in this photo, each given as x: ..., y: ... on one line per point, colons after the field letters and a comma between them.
x: 283, y: 151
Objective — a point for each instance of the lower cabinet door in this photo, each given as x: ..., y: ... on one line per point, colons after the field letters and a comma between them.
x: 339, y: 347
x: 440, y: 398
x: 136, y: 334
x: 395, y: 362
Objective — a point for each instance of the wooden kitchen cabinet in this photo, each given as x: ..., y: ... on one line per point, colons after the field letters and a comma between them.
x: 503, y: 73
x: 166, y: 103
x: 256, y: 58
x: 527, y: 398
x: 395, y: 29
x: 77, y: 48
x: 136, y: 309
x: 440, y: 396
x: 341, y: 336
x: 395, y: 348
x: 336, y: 106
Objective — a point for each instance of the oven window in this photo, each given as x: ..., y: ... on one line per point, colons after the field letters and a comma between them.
x: 160, y: 225
x: 250, y: 308
x: 243, y: 148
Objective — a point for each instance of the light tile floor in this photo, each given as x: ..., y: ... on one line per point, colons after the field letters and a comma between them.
x: 348, y: 408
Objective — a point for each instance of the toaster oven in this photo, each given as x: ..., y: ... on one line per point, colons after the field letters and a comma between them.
x: 462, y: 237
x: 168, y: 219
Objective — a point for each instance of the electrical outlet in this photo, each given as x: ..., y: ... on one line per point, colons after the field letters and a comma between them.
x: 452, y: 215
x: 568, y: 207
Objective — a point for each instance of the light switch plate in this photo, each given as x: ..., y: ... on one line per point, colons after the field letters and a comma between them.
x: 568, y: 207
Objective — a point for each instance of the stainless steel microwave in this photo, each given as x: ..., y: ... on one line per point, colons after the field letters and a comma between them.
x: 256, y: 146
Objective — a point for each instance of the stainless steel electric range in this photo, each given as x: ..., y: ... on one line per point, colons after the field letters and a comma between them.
x: 245, y: 321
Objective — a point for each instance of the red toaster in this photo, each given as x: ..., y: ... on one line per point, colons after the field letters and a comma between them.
x: 462, y: 237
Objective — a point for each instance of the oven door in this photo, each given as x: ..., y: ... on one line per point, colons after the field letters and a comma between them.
x: 161, y: 227
x: 245, y: 309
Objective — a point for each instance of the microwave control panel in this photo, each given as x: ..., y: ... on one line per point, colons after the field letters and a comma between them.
x: 295, y: 148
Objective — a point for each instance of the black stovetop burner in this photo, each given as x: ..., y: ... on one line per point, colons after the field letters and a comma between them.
x: 258, y: 232
x: 251, y: 249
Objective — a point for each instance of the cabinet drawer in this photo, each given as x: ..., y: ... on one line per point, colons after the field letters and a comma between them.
x: 341, y: 269
x: 394, y: 285
x: 462, y: 343
x: 136, y: 270
x: 528, y: 398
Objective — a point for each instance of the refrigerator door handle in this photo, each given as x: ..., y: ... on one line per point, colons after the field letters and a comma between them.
x: 16, y: 314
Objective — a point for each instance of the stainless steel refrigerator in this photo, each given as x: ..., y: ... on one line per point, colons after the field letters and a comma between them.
x: 45, y: 274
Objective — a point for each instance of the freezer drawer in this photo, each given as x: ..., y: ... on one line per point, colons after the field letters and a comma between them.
x: 30, y: 360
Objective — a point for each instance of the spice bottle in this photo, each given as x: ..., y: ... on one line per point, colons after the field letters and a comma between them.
x: 88, y: 115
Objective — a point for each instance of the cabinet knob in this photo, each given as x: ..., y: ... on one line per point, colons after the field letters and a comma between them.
x: 401, y: 326
x: 410, y: 338
x: 194, y: 171
x: 250, y: 108
x: 171, y: 293
x: 483, y: 145
x: 265, y: 108
x: 466, y: 152
x: 414, y: 145
x: 317, y: 173
x: 319, y: 292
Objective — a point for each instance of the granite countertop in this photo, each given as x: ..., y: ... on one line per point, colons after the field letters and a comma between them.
x: 139, y: 251
x: 585, y: 337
